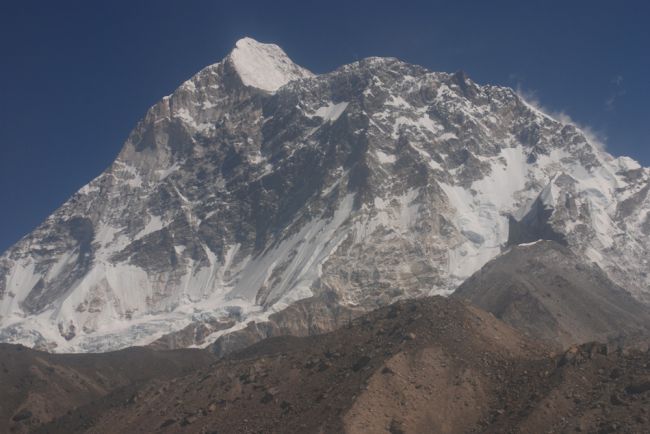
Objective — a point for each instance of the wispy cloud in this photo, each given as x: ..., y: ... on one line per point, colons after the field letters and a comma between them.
x: 596, y: 137
x: 617, y: 91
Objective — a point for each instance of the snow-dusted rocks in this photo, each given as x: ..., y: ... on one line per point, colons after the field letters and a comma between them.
x: 256, y: 184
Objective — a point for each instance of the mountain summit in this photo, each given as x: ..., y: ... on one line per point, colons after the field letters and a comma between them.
x: 264, y: 66
x: 256, y: 185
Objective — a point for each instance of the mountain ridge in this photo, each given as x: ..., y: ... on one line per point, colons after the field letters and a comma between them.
x: 375, y: 182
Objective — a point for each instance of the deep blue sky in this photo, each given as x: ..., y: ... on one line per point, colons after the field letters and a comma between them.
x: 77, y: 75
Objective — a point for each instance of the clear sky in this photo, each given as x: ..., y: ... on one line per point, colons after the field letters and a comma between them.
x: 77, y: 75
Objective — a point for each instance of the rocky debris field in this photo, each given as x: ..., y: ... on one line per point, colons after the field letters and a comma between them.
x: 429, y: 365
x: 37, y: 387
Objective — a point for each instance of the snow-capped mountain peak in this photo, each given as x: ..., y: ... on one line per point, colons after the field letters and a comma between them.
x: 231, y: 200
x: 264, y: 66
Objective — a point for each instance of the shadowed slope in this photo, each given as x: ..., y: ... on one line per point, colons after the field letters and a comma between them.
x: 36, y: 387
x: 546, y: 291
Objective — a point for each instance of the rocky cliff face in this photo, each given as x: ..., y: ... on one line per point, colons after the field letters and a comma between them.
x: 257, y: 184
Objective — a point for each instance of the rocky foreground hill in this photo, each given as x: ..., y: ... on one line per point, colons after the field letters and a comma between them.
x: 37, y: 387
x: 432, y: 365
x: 549, y: 293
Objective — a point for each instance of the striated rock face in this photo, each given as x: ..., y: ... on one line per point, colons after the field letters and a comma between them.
x: 311, y: 316
x: 257, y: 184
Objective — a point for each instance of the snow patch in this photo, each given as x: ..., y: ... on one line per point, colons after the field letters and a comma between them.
x: 154, y: 224
x: 530, y: 244
x: 384, y: 158
x: 164, y: 173
x: 330, y: 112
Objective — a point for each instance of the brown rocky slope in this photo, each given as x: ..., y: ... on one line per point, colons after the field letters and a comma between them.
x: 547, y: 292
x: 431, y: 365
x: 37, y: 387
